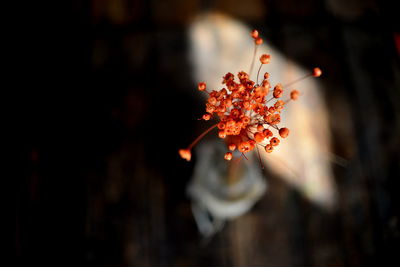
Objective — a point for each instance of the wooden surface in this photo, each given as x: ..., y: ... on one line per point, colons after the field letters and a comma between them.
x: 103, y: 184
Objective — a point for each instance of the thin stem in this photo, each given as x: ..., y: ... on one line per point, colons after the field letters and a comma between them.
x: 269, y: 100
x: 252, y: 61
x: 297, y: 80
x: 237, y: 160
x: 201, y: 136
x: 273, y: 126
x: 259, y: 158
x: 287, y: 101
x: 258, y: 73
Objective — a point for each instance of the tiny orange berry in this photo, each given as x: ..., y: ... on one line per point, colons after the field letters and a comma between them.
x: 221, y: 125
x: 274, y: 119
x: 185, y: 154
x: 246, y: 104
x: 271, y: 109
x: 212, y: 100
x: 254, y: 34
x: 243, y: 75
x: 210, y: 108
x: 232, y: 147
x: 284, y: 132
x: 228, y: 155
x: 274, y: 141
x: 202, y: 86
x: 206, y: 117
x: 222, y: 134
x: 294, y: 94
x: 317, y: 72
x: 252, y: 144
x: 278, y: 91
x: 265, y: 58
x: 245, y: 120
x: 269, y: 148
x: 260, y: 128
x: 279, y: 105
x: 258, y: 41
x: 227, y: 78
x: 244, y: 147
x: 259, y: 137
x: 228, y: 103
x: 230, y: 123
x: 267, y: 133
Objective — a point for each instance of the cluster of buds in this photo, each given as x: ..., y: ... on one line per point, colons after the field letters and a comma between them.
x: 245, y: 117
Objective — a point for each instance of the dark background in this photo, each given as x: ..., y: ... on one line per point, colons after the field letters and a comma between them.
x: 109, y: 99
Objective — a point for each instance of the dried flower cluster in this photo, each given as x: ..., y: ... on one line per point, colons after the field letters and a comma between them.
x: 245, y: 117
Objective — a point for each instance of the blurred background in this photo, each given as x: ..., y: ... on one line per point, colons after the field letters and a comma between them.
x: 111, y: 96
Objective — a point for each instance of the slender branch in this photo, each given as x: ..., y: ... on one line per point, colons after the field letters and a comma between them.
x: 269, y: 100
x: 201, y: 136
x: 297, y: 80
x: 259, y: 158
x: 258, y: 73
x: 252, y: 61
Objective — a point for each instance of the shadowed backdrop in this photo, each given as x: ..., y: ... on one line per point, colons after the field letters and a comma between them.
x: 112, y: 97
